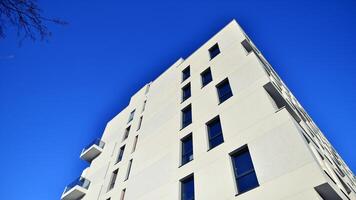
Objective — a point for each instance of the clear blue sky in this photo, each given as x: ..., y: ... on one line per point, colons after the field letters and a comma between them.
x: 56, y: 97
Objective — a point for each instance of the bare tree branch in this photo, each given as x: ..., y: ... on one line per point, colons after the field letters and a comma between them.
x: 26, y: 17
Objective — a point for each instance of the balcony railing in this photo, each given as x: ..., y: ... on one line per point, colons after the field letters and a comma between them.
x: 97, y: 142
x: 82, y: 182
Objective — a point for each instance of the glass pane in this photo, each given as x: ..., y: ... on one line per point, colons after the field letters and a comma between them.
x: 247, y: 182
x: 214, y: 128
x: 216, y: 141
x: 242, y: 163
x: 188, y: 189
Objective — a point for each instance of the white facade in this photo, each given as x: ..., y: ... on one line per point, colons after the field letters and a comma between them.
x: 291, y: 157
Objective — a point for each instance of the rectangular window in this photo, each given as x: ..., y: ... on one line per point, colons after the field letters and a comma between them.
x: 128, y: 170
x: 187, y: 188
x: 139, y: 123
x: 186, y: 73
x: 214, y: 51
x: 126, y: 134
x: 134, y: 144
x: 123, y: 194
x: 247, y: 46
x: 186, y: 116
x: 224, y: 90
x: 121, y: 153
x: 186, y: 92
x: 113, y: 179
x: 245, y: 174
x: 215, y: 134
x: 206, y: 77
x: 187, y: 149
x: 132, y: 114
x: 144, y: 106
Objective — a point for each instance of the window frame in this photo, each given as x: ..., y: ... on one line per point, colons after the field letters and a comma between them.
x: 183, y: 181
x: 131, y: 116
x: 190, y: 153
x: 183, y: 73
x: 224, y: 81
x: 183, y: 125
x: 212, y: 49
x: 232, y: 155
x: 188, y: 85
x: 201, y: 77
x: 119, y: 158
x: 207, y: 125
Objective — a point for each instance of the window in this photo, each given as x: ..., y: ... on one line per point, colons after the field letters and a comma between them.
x: 123, y: 194
x: 144, y: 106
x: 214, y: 51
x: 121, y: 153
x: 186, y: 116
x: 147, y: 88
x: 214, y: 132
x: 132, y: 114
x: 128, y: 170
x: 139, y: 123
x: 186, y: 93
x: 187, y: 188
x: 187, y: 149
x: 134, y: 144
x: 113, y: 179
x: 206, y: 77
x: 186, y: 73
x: 245, y: 174
x: 224, y: 90
x: 126, y: 134
x: 247, y: 46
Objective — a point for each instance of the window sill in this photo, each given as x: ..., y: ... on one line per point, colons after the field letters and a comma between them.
x: 215, y: 146
x: 238, y: 194
x: 181, y: 165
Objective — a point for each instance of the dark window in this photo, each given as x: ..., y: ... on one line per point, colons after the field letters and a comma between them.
x: 144, y: 106
x: 128, y: 170
x: 134, y: 144
x: 224, y: 90
x: 215, y: 134
x: 186, y: 116
x: 186, y: 93
x: 206, y: 77
x: 186, y: 73
x: 113, y: 179
x: 247, y: 46
x: 132, y: 114
x: 123, y: 194
x: 121, y: 153
x: 187, y: 188
x: 245, y: 174
x: 126, y: 134
x: 187, y: 149
x: 139, y: 123
x: 214, y: 51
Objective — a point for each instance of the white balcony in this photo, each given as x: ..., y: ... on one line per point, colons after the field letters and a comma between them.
x: 76, y: 190
x: 92, y: 151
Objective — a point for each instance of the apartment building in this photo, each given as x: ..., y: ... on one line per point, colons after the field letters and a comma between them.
x: 218, y: 125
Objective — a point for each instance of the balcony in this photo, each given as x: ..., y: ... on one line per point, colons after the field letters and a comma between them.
x: 76, y: 190
x: 91, y: 151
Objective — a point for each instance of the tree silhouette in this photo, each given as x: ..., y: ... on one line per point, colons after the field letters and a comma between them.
x: 26, y: 17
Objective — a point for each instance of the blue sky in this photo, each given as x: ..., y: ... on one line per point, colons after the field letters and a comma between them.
x: 56, y: 96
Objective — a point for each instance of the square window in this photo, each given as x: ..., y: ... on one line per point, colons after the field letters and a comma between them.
x: 244, y: 171
x: 187, y: 149
x: 187, y: 188
x: 186, y: 73
x: 186, y: 116
x: 214, y: 51
x: 215, y: 134
x: 186, y: 92
x: 206, y: 77
x: 224, y: 90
